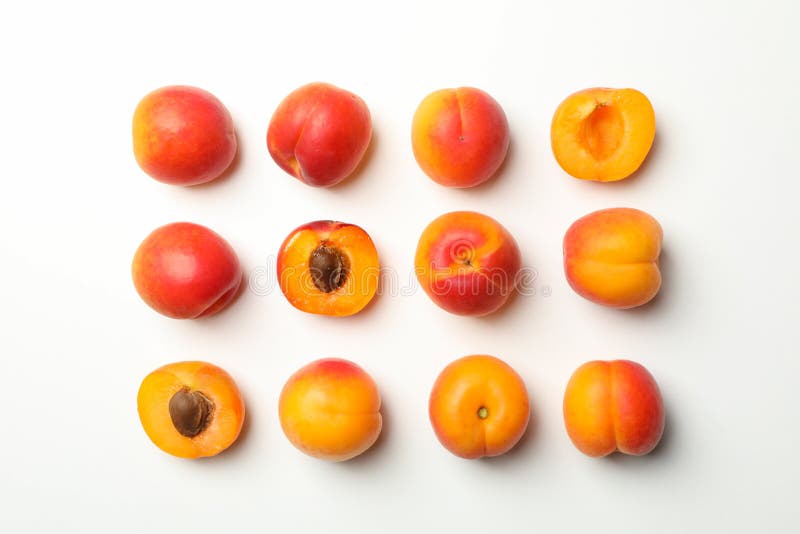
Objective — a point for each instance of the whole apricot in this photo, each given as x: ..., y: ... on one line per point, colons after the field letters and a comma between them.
x: 330, y: 409
x: 613, y: 406
x: 184, y: 271
x: 183, y: 135
x: 191, y: 409
x: 459, y: 136
x: 479, y: 407
x: 467, y: 263
x: 611, y: 257
x: 319, y: 133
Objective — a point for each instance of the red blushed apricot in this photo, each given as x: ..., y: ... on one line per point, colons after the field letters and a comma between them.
x: 479, y: 407
x: 183, y: 135
x: 467, y: 263
x: 328, y: 268
x: 184, y: 271
x: 613, y: 406
x: 319, y: 133
x: 191, y: 409
x: 603, y: 134
x: 330, y: 409
x: 611, y: 257
x: 459, y: 136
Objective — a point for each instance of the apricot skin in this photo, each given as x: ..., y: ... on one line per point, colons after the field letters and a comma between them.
x: 185, y: 271
x: 468, y: 385
x: 459, y: 136
x: 214, y: 383
x: 603, y: 134
x: 613, y: 406
x: 319, y: 134
x: 183, y: 135
x: 363, y: 268
x: 330, y: 409
x: 467, y: 263
x: 611, y: 257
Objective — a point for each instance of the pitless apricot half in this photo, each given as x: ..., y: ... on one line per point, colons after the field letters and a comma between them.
x: 603, y: 134
x: 191, y: 409
x: 328, y: 268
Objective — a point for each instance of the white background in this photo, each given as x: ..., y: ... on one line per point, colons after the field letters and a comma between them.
x: 721, y: 338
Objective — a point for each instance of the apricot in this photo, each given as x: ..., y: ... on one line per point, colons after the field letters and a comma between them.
x: 611, y: 257
x: 319, y: 134
x: 328, y: 268
x: 459, y: 136
x: 184, y: 271
x: 467, y: 263
x: 183, y: 135
x: 603, y: 134
x: 330, y: 409
x: 613, y: 406
x: 191, y: 409
x: 479, y: 407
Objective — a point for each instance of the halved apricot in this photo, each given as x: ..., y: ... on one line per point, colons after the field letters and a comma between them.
x: 191, y: 409
x: 328, y: 268
x: 603, y: 134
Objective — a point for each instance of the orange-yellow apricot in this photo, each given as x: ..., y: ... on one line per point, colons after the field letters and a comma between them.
x: 611, y: 257
x: 603, y: 134
x: 459, y: 136
x: 330, y: 409
x: 613, y: 406
x: 479, y: 407
x: 191, y: 409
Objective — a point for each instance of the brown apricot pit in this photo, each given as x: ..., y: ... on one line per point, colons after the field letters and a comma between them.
x: 328, y: 268
x: 190, y: 412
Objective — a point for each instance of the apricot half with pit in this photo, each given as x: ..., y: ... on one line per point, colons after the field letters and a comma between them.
x: 328, y: 268
x: 603, y: 134
x: 191, y: 409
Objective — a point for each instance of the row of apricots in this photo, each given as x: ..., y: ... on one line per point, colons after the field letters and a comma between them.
x: 467, y: 263
x: 330, y: 408
x: 319, y: 134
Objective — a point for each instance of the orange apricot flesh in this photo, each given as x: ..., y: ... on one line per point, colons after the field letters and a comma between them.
x: 603, y: 134
x: 191, y: 409
x: 328, y: 268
